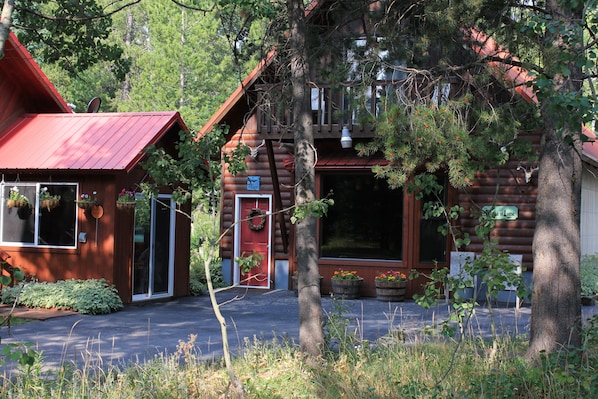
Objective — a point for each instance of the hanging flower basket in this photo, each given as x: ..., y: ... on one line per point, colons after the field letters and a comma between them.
x: 85, y: 204
x: 256, y: 219
x: 47, y: 200
x: 16, y: 203
x: 125, y: 200
x: 125, y: 206
x: 49, y: 204
x: 16, y: 200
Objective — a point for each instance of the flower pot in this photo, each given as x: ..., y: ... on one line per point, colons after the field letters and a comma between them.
x: 11, y: 203
x: 49, y: 204
x: 85, y: 204
x: 125, y: 206
x: 391, y: 291
x: 346, y: 289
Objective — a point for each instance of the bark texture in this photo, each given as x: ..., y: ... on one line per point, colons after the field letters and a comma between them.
x: 556, y: 297
x: 311, y: 336
x: 5, y: 23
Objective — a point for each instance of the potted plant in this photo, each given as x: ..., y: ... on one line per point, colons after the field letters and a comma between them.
x: 16, y: 199
x: 47, y: 200
x: 85, y: 201
x: 391, y: 286
x: 589, y: 279
x: 126, y: 200
x: 346, y: 284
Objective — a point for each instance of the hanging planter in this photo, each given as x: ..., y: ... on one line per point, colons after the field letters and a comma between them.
x: 48, y: 201
x: 126, y: 200
x: 86, y: 202
x: 16, y: 203
x: 15, y: 199
x: 125, y: 205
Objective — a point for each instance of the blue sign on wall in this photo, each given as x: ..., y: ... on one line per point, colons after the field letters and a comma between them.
x: 253, y: 183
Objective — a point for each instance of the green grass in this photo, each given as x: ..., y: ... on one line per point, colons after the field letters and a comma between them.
x: 423, y: 368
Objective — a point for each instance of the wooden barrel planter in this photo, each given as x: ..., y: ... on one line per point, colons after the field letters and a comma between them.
x: 391, y: 291
x: 346, y: 289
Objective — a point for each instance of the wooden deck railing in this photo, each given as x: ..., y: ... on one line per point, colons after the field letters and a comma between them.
x: 350, y: 105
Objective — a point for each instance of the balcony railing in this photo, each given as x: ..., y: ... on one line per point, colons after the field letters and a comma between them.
x: 350, y: 105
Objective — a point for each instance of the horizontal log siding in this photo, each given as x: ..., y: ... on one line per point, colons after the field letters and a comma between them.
x: 232, y: 185
x: 506, y: 186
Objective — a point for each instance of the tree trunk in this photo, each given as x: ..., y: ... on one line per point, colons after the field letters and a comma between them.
x: 126, y: 90
x: 556, y: 297
x: 5, y: 23
x: 311, y: 336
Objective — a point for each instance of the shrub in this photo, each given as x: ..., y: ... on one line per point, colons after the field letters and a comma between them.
x: 83, y: 296
x: 197, y: 277
x: 589, y: 274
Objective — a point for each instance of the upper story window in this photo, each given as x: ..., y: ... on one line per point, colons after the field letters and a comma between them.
x: 30, y: 221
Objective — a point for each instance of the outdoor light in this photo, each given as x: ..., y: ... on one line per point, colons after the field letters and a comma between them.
x: 346, y: 141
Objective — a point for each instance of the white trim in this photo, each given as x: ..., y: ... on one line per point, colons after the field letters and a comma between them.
x: 237, y: 235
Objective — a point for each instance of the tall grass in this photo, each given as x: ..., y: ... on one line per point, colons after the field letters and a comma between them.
x: 393, y: 368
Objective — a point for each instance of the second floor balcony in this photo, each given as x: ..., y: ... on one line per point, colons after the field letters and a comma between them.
x: 349, y: 105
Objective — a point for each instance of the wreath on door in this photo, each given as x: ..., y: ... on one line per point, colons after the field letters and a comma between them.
x: 256, y: 219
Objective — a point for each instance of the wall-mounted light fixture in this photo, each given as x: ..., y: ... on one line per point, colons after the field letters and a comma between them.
x: 346, y: 140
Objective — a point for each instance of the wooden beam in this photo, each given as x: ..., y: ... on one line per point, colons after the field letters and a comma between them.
x: 277, y: 198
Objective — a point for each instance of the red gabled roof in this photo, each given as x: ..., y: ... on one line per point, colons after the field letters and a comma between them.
x: 20, y: 70
x: 84, y: 142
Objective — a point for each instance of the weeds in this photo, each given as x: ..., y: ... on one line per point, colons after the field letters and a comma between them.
x: 350, y: 369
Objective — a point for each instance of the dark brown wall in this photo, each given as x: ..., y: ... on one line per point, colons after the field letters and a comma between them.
x: 233, y: 185
x: 111, y: 257
x: 87, y: 260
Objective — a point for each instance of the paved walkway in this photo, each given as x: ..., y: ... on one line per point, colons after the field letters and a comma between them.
x: 140, y: 332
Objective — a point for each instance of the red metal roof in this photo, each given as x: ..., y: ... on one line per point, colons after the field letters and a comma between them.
x: 97, y: 141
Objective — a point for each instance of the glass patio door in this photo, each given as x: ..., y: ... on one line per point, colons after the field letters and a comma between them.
x: 153, y: 253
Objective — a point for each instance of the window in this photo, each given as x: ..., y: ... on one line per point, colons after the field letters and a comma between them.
x: 31, y: 224
x: 366, y: 221
x: 432, y: 243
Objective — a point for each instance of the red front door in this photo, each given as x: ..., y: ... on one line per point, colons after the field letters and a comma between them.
x: 254, y: 235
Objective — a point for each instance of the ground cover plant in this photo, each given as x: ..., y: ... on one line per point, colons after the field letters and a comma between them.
x: 398, y: 366
x: 93, y: 296
x: 589, y: 274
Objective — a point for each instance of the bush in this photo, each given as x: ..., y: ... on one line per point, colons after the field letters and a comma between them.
x: 83, y: 296
x: 197, y: 275
x: 589, y: 274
